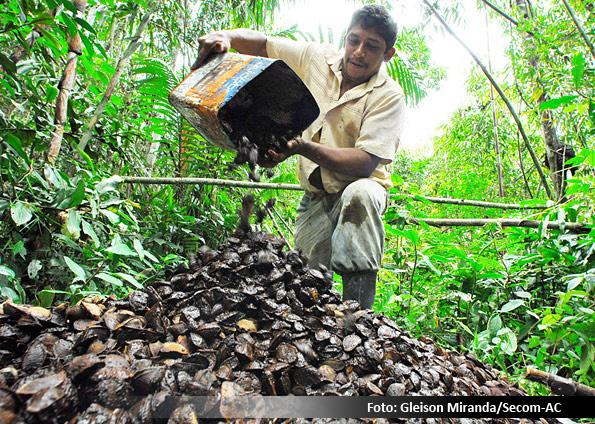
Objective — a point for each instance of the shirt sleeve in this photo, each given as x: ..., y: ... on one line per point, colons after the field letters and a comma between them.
x: 381, y: 127
x: 295, y: 54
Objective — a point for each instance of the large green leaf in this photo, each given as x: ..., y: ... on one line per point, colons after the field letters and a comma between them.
x: 6, y: 271
x: 21, y: 213
x: 512, y: 305
x: 578, y: 69
x: 73, y: 224
x: 88, y: 230
x: 79, y: 272
x: 16, y: 144
x: 118, y: 247
x: 110, y: 279
x: 557, y: 102
x: 508, y: 341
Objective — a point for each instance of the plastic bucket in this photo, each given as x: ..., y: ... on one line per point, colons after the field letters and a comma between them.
x: 235, y: 95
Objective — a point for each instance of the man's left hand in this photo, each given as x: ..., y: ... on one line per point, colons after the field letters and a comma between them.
x: 293, y: 147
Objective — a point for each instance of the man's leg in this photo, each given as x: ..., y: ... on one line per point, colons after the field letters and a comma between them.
x: 313, y: 229
x: 358, y: 239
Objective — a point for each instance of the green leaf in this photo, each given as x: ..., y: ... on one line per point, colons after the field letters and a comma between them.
x: 130, y: 279
x: 46, y: 298
x: 466, y: 328
x: 85, y: 24
x: 73, y: 224
x: 34, y: 267
x: 508, y: 341
x: 110, y: 279
x: 578, y: 69
x: 17, y: 146
x: 50, y: 93
x: 87, y: 159
x: 522, y: 294
x: 139, y: 249
x: 495, y: 324
x: 77, y: 196
x: 113, y: 218
x: 120, y: 248
x: 512, y: 305
x: 6, y: 271
x: 88, y: 230
x: 555, y: 103
x: 19, y: 249
x: 70, y: 24
x: 69, y: 5
x: 78, y: 271
x: 21, y: 213
x: 574, y: 283
x: 8, y: 64
x: 10, y: 293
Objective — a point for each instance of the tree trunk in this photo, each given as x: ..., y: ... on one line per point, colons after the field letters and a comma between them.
x: 553, y: 147
x: 66, y: 85
x: 134, y: 44
x: 509, y: 106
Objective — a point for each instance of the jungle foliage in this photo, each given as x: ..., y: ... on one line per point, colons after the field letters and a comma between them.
x: 69, y: 228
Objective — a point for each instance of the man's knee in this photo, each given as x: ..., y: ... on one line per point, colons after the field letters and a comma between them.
x: 365, y: 195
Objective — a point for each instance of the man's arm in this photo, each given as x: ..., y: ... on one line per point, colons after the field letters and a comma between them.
x: 344, y: 160
x: 245, y: 41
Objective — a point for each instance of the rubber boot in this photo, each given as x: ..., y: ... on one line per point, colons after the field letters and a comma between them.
x: 360, y: 286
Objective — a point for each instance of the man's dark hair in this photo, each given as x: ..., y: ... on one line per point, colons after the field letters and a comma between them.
x: 377, y: 17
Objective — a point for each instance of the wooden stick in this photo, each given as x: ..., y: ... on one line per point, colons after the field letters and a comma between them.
x: 465, y: 202
x: 296, y: 187
x: 211, y: 181
x: 559, y: 385
x: 504, y: 222
x: 570, y: 226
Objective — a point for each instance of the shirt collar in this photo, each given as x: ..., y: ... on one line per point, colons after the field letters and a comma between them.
x: 335, y: 62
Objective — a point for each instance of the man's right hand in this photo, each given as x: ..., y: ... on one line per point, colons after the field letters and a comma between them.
x: 215, y: 42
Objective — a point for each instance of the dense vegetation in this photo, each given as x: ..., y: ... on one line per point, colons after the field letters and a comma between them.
x: 84, y: 99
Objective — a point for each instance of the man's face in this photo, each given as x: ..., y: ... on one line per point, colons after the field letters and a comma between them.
x: 365, y: 50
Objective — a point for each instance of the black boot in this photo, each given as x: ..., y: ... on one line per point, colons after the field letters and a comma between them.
x: 360, y: 286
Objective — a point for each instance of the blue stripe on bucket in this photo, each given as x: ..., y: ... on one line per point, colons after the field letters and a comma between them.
x: 245, y: 75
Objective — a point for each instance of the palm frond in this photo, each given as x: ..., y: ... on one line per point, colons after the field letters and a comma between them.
x: 399, y: 71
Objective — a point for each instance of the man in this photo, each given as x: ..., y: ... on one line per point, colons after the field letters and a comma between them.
x: 344, y: 155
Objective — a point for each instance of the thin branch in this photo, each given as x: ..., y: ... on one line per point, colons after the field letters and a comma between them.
x: 500, y: 12
x: 559, y: 385
x: 515, y: 116
x: 581, y: 30
x: 504, y: 222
